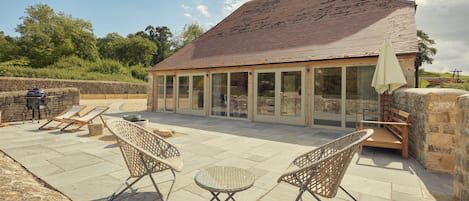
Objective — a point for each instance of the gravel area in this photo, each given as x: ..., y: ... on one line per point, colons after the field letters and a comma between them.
x: 16, y: 183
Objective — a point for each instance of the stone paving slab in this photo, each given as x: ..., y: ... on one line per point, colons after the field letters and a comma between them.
x: 85, y: 168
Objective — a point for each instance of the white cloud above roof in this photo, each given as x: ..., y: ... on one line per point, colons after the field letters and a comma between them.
x: 203, y: 9
x: 231, y: 5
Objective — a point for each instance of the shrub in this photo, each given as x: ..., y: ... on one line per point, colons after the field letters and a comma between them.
x: 463, y: 86
x: 139, y: 72
x: 71, y: 62
x: 107, y: 66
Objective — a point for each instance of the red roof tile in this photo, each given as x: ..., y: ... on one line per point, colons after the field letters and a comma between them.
x: 279, y: 31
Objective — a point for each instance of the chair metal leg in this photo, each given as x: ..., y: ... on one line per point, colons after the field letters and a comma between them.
x: 172, y: 184
x: 149, y: 171
x: 114, y: 195
x: 154, y: 184
x: 314, y: 195
x: 302, y: 190
x: 347, y: 193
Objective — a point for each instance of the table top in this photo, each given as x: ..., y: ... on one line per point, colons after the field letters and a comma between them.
x: 224, y: 179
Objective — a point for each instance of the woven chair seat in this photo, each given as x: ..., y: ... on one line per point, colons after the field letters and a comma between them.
x: 321, y: 170
x: 144, y: 152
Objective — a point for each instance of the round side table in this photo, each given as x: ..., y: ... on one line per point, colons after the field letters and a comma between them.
x: 220, y: 179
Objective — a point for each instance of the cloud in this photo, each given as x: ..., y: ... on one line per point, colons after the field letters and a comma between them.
x: 185, y: 7
x: 188, y: 15
x: 203, y: 9
x: 231, y: 5
x: 445, y: 22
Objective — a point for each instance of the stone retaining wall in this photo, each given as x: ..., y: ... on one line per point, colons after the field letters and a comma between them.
x: 12, y: 104
x: 461, y: 170
x: 433, y: 130
x: 85, y: 86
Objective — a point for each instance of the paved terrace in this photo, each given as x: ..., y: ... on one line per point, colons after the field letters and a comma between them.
x: 87, y: 168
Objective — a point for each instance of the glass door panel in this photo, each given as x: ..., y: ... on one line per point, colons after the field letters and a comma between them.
x: 361, y: 99
x: 266, y: 93
x: 327, y: 96
x: 219, y: 94
x: 169, y: 101
x: 239, y: 95
x: 160, y: 93
x: 290, y: 94
x: 198, y: 92
x: 183, y: 92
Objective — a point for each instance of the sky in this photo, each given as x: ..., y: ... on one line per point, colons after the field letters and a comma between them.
x: 446, y: 21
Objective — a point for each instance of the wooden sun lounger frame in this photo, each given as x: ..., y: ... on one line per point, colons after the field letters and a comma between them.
x: 81, y: 123
x: 61, y: 120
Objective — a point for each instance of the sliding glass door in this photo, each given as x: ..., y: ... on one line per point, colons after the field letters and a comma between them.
x: 327, y: 97
x: 278, y: 96
x: 343, y: 95
x: 229, y: 95
x: 190, y: 94
x: 164, y: 93
x: 361, y: 98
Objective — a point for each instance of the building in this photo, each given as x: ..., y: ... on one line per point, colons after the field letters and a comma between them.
x: 302, y: 62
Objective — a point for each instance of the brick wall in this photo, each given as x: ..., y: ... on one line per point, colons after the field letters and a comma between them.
x: 85, y: 86
x: 433, y: 130
x: 461, y: 170
x: 12, y: 104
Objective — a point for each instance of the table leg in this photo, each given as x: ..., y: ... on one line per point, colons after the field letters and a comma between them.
x: 215, y: 196
x: 230, y: 196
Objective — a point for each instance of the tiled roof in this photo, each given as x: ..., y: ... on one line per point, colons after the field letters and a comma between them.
x: 280, y: 31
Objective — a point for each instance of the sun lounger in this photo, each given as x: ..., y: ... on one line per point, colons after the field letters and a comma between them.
x: 62, y: 117
x: 86, y: 118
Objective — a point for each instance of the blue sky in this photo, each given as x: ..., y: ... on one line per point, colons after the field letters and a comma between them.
x: 444, y: 20
x: 125, y: 16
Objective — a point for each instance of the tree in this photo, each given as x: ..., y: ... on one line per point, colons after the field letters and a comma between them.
x: 9, y: 49
x: 161, y: 36
x: 109, y: 46
x: 137, y: 50
x: 190, y: 33
x: 47, y: 36
x: 426, y: 53
x: 133, y: 50
x: 425, y: 43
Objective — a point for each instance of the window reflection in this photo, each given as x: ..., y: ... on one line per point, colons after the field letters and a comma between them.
x: 219, y: 94
x: 266, y: 93
x: 198, y: 92
x: 183, y: 92
x: 239, y: 95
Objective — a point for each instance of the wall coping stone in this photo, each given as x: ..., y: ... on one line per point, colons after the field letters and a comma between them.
x: 436, y: 91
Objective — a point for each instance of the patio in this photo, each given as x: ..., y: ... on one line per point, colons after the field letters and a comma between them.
x: 92, y: 168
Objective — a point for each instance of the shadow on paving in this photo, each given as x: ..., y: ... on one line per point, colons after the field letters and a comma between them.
x: 134, y: 195
x: 300, y: 135
x: 439, y: 185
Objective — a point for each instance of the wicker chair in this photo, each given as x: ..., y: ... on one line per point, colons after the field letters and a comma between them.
x: 144, y: 153
x: 320, y: 171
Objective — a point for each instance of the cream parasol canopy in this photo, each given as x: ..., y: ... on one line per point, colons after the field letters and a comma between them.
x: 388, y: 75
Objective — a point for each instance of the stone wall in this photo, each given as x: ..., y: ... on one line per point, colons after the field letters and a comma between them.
x: 12, y: 104
x: 433, y: 117
x: 461, y: 170
x: 85, y: 86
